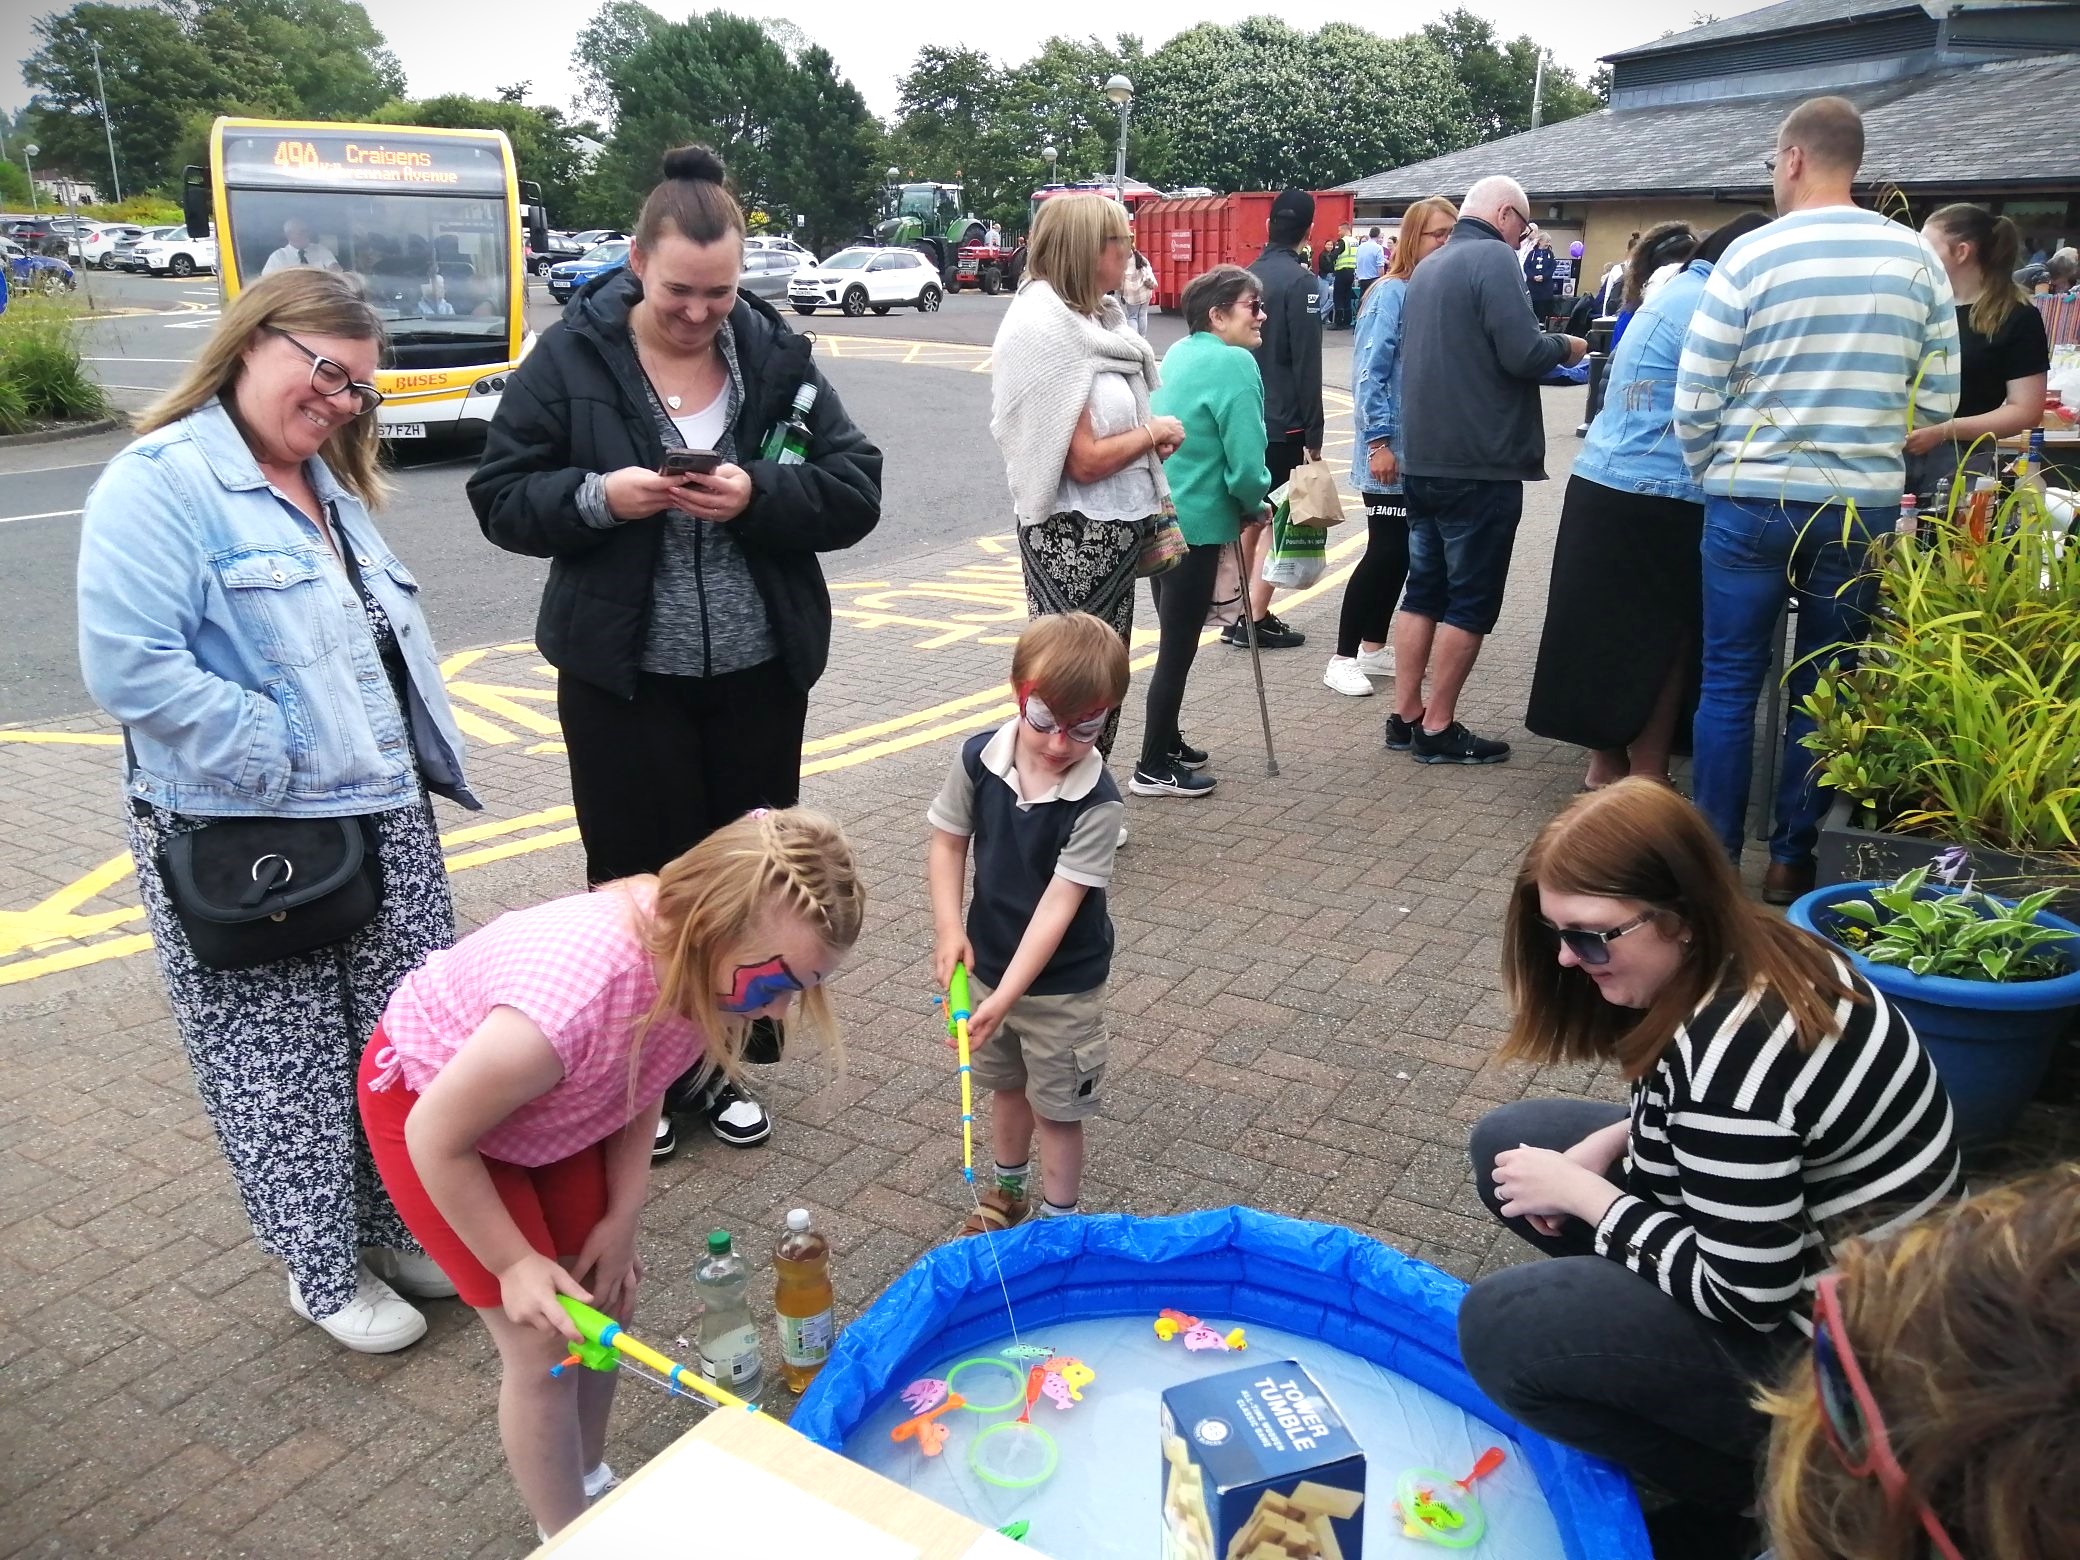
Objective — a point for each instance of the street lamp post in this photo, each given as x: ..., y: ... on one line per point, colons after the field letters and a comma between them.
x: 1050, y: 152
x: 29, y: 152
x: 1121, y: 91
x: 107, y: 128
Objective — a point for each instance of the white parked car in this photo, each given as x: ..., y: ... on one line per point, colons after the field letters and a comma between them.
x: 178, y: 255
x: 856, y: 280
x: 96, y: 246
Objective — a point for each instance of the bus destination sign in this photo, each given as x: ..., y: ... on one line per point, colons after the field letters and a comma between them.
x: 336, y: 160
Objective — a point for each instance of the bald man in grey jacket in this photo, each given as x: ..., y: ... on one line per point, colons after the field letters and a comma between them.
x: 1472, y: 434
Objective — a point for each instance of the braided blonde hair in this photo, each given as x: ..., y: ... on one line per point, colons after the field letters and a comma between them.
x: 784, y: 862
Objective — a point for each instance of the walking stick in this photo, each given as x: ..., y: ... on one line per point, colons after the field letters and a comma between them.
x: 1256, y: 656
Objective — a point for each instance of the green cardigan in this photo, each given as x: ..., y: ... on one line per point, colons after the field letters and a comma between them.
x: 1217, y: 477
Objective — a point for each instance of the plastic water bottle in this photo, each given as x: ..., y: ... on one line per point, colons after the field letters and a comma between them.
x: 1909, y: 522
x: 788, y: 444
x: 729, y: 1338
x: 803, y: 1301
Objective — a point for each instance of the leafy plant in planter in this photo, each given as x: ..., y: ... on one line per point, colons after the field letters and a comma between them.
x: 1961, y: 721
x: 1966, y: 935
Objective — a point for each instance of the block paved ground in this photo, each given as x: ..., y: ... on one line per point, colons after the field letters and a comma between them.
x: 1305, y: 1009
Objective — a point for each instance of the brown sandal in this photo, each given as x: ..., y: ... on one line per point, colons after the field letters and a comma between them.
x: 995, y: 1209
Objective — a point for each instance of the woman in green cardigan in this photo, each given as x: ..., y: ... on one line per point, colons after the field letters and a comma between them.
x: 1218, y: 481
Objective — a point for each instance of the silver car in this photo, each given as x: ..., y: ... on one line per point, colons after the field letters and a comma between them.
x: 767, y: 272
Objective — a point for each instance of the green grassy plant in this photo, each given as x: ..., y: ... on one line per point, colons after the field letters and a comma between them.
x: 1962, y: 719
x: 41, y: 377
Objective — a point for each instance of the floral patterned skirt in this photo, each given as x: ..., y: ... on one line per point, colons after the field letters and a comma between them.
x: 1075, y: 564
x: 274, y: 1051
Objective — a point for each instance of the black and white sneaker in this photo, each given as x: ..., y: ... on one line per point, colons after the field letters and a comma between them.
x: 1171, y: 779
x: 666, y: 1142
x: 1273, y: 633
x: 1456, y: 745
x: 1185, y: 756
x: 733, y: 1115
x: 1401, y: 734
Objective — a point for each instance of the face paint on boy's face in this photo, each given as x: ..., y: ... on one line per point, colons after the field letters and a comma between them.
x: 755, y: 986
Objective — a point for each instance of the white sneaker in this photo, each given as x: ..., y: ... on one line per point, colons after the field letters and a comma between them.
x: 1122, y: 837
x: 419, y: 1277
x: 1377, y: 663
x: 599, y: 1481
x: 376, y: 1321
x: 1345, y: 676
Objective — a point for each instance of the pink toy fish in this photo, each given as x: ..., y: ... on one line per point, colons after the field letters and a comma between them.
x: 922, y: 1396
x: 1203, y: 1337
x: 1074, y: 1374
x: 1055, y: 1388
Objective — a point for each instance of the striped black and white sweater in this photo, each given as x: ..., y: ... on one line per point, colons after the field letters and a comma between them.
x: 1749, y: 1157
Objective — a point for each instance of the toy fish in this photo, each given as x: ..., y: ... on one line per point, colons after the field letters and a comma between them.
x: 931, y: 1437
x: 926, y: 1429
x: 1204, y: 1337
x: 1170, y: 1323
x: 923, y: 1396
x: 1075, y: 1375
x: 1027, y: 1351
x: 1056, y: 1389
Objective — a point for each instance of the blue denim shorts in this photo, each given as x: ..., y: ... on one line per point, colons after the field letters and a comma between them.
x: 1461, y: 532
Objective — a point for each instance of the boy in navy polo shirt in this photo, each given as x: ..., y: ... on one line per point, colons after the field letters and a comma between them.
x: 1036, y: 798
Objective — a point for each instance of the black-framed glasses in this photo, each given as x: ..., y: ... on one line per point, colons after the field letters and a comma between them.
x: 329, y: 378
x: 1769, y: 163
x: 1592, y: 946
x: 1523, y: 217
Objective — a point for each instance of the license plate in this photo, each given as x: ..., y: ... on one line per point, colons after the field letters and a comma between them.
x: 404, y: 430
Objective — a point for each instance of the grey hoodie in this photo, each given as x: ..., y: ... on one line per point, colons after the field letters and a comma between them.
x: 1471, y: 358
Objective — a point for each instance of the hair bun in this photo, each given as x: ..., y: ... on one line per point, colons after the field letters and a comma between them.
x: 694, y: 162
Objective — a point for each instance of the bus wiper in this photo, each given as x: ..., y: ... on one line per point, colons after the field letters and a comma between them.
x: 493, y: 331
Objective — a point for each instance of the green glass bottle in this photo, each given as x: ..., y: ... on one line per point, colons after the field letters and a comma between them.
x: 788, y: 443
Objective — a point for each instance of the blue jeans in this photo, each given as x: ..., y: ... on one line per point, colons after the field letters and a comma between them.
x: 1755, y: 554
x: 1461, y: 532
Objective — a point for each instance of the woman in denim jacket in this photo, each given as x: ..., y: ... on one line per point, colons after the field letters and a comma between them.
x: 1618, y: 660
x: 1362, y: 652
x: 221, y: 623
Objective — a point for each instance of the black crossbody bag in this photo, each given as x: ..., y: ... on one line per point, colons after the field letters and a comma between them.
x: 250, y: 891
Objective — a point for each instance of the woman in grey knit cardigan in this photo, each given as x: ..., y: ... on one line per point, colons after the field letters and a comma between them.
x: 1069, y: 409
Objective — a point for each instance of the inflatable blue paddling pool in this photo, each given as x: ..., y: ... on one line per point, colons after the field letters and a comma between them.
x: 1378, y: 1329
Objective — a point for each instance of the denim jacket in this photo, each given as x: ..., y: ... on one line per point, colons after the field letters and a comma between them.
x: 1376, y: 379
x: 1632, y: 445
x: 215, y: 624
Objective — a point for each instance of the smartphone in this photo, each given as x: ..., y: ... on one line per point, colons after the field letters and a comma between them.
x: 681, y: 463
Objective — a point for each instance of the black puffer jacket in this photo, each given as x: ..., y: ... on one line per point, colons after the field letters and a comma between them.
x: 567, y: 413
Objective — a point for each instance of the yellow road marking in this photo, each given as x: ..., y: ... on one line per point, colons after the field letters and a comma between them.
x: 67, y: 738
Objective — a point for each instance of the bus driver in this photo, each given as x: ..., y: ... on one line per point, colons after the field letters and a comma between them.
x: 301, y: 249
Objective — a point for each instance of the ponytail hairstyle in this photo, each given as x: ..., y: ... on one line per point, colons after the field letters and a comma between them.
x: 737, y: 881
x: 693, y: 200
x: 1996, y: 251
x: 1666, y: 243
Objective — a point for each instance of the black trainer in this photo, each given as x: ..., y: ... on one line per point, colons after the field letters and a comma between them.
x: 1456, y: 745
x: 1273, y: 633
x: 1401, y: 734
x: 666, y: 1141
x: 1171, y: 779
x: 733, y: 1115
x: 1185, y: 756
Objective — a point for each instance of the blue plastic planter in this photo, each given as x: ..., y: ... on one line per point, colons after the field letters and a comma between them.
x: 1236, y: 1263
x: 1990, y: 1040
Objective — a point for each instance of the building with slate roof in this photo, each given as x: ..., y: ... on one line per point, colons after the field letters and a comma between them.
x: 1962, y: 100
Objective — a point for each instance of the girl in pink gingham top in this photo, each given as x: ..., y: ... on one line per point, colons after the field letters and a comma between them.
x: 510, y: 1090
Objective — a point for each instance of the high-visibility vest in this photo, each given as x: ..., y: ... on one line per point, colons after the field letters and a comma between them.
x: 1348, y: 260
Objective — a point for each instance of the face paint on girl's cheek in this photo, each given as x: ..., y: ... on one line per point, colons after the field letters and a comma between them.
x: 754, y: 986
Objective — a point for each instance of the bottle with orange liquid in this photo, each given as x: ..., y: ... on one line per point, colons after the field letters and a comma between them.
x: 803, y: 1300
x: 1978, y: 514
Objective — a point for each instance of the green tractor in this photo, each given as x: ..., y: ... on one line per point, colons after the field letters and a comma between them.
x: 928, y: 217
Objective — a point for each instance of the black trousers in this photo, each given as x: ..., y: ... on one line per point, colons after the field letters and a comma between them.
x: 1586, y: 1351
x: 1183, y: 597
x: 653, y: 776
x: 1375, y: 584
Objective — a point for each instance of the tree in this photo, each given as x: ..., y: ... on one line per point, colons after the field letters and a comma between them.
x: 545, y: 148
x: 1498, y: 79
x: 14, y: 185
x: 617, y: 30
x: 156, y: 74
x: 1260, y: 105
x: 833, y: 170
x: 327, y: 56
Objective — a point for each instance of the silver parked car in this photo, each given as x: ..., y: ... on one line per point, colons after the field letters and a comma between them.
x: 768, y: 271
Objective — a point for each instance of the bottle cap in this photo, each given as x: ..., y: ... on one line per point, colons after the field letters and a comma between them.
x: 718, y: 1243
x: 798, y: 1220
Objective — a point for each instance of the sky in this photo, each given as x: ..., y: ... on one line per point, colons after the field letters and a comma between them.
x: 474, y: 46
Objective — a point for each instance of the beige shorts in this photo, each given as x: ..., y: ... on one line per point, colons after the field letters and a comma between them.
x: 1051, y: 1049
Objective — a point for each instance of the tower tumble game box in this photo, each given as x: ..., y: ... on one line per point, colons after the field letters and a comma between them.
x: 1259, y: 1465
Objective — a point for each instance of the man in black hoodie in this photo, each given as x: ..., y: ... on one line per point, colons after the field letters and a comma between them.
x: 1290, y: 359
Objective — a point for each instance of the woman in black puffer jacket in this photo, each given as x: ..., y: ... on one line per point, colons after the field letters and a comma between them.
x: 686, y: 615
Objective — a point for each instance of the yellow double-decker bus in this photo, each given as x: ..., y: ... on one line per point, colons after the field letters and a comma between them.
x: 427, y: 221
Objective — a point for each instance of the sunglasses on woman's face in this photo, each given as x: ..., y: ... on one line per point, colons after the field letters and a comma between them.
x: 1086, y: 728
x: 1849, y: 1414
x: 330, y: 378
x: 1590, y: 945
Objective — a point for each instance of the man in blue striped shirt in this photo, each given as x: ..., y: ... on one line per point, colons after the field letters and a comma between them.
x: 1820, y: 342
